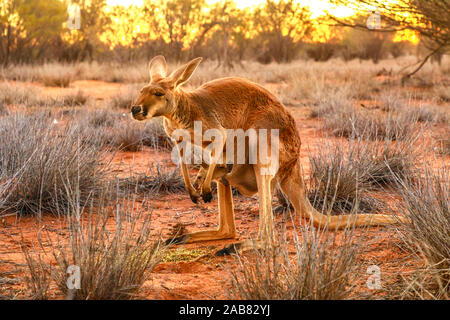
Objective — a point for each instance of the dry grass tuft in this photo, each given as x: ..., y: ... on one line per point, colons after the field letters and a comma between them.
x: 124, y: 99
x: 321, y: 268
x: 153, y: 135
x: 339, y: 181
x: 158, y: 181
x: 71, y: 100
x: 128, y: 136
x: 344, y: 176
x: 426, y: 232
x: 49, y: 158
x: 18, y: 95
x: 114, y: 256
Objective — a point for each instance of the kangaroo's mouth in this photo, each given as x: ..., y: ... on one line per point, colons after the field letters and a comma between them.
x: 139, y: 113
x: 139, y: 116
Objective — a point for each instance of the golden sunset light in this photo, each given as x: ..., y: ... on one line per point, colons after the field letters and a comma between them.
x: 239, y: 158
x: 124, y: 30
x: 317, y: 6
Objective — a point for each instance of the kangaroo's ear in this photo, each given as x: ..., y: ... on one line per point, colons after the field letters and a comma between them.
x: 158, y: 68
x: 183, y: 73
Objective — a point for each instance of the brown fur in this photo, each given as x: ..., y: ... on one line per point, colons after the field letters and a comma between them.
x: 236, y: 103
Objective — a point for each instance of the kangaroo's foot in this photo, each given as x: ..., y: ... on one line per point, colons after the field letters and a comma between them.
x: 194, y: 195
x: 241, y: 247
x: 206, y: 235
x: 206, y: 194
x: 177, y: 240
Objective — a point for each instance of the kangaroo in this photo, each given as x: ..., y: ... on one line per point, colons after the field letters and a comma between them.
x: 235, y: 103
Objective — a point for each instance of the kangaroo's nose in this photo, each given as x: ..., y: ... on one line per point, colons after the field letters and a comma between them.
x: 136, y: 109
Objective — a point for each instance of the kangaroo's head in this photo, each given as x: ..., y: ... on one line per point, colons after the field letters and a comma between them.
x: 159, y: 97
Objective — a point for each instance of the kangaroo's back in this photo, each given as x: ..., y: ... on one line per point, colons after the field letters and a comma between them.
x: 240, y: 103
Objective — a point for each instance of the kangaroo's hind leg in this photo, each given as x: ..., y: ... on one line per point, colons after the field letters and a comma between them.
x: 226, y: 228
x: 265, y: 186
x: 243, y: 178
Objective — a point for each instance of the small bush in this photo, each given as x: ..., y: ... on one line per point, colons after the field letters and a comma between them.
x: 355, y: 123
x: 388, y: 159
x: 102, y: 118
x: 115, y: 256
x: 72, y: 100
x: 128, y: 136
x: 321, y: 51
x: 50, y: 158
x: 55, y: 79
x: 18, y: 95
x: 154, y: 136
x: 157, y: 181
x: 340, y: 179
x: 62, y: 81
x: 427, y: 114
x: 321, y: 268
x: 426, y: 232
x: 442, y: 93
x: 125, y: 98
x: 344, y: 176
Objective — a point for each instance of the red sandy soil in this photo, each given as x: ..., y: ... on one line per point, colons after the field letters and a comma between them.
x: 204, y: 278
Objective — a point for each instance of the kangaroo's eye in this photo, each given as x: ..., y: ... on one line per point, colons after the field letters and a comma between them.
x: 158, y: 94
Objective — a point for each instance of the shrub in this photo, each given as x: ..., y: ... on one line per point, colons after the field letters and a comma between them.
x: 426, y: 114
x: 114, y: 256
x: 321, y: 51
x: 102, y: 118
x: 153, y: 135
x: 128, y: 136
x: 442, y: 93
x: 321, y: 268
x: 125, y: 98
x: 426, y: 232
x: 340, y: 179
x: 158, y: 180
x: 353, y: 123
x: 56, y: 80
x: 344, y: 176
x: 71, y: 100
x: 18, y: 95
x: 50, y: 158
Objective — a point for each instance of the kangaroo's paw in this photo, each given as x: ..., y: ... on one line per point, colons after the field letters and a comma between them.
x: 206, y: 195
x: 177, y: 240
x: 194, y: 197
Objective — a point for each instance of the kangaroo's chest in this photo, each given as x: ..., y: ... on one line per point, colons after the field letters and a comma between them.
x: 171, y: 126
x: 194, y: 134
